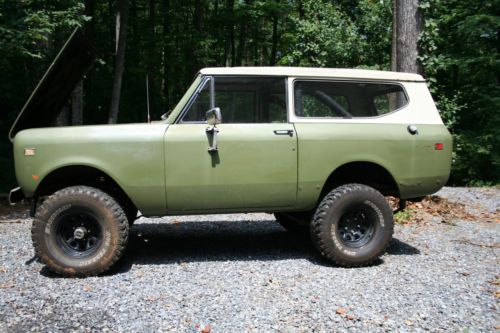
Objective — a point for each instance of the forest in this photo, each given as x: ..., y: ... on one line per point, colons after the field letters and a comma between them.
x: 166, y: 42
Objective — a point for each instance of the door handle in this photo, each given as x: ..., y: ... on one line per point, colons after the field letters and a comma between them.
x: 213, y: 130
x: 283, y: 132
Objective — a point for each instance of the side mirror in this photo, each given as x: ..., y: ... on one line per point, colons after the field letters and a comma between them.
x: 214, y: 116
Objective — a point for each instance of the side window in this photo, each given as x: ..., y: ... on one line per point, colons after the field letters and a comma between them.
x: 346, y: 99
x: 242, y: 100
x: 389, y: 98
x: 200, y: 106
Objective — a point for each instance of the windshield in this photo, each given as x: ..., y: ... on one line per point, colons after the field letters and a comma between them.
x: 178, y: 108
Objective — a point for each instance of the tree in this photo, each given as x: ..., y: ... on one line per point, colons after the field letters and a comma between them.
x: 461, y: 57
x: 77, y: 104
x: 406, y: 29
x: 121, y: 36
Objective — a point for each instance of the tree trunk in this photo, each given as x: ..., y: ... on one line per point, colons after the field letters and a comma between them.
x: 77, y: 104
x: 394, y: 37
x: 241, y: 44
x: 63, y: 117
x: 274, y: 47
x: 166, y: 58
x: 229, y: 51
x: 77, y: 94
x: 121, y: 34
x: 152, y: 59
x: 301, y: 10
x: 407, y: 27
x: 240, y: 54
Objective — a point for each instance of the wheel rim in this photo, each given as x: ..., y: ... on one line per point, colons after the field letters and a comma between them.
x: 356, y: 226
x: 79, y: 233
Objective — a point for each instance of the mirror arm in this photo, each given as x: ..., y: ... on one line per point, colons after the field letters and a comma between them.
x: 215, y: 112
x: 212, y: 93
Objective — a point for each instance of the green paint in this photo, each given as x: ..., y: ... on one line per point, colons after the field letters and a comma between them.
x: 253, y: 168
x: 130, y: 154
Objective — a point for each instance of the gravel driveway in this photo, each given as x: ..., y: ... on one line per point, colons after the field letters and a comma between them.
x: 243, y: 272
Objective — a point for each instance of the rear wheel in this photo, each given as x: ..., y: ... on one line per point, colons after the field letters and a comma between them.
x: 80, y: 231
x: 352, y: 225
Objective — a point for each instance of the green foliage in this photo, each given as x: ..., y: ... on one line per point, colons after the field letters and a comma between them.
x: 26, y: 27
x: 404, y: 216
x: 324, y: 36
x: 328, y: 35
x: 460, y: 45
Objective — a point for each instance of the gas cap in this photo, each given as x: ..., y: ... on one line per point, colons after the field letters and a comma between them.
x: 412, y: 129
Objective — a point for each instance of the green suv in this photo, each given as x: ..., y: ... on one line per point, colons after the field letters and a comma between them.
x: 319, y: 148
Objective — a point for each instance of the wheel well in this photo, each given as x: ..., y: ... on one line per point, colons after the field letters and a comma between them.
x: 82, y: 175
x: 366, y: 173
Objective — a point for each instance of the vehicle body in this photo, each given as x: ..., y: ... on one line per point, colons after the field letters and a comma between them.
x: 287, y: 138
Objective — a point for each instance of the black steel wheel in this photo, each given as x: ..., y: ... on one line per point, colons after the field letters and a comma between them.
x: 80, y: 231
x: 356, y: 226
x: 352, y: 225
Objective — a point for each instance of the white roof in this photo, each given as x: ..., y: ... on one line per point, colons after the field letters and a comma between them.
x: 313, y: 72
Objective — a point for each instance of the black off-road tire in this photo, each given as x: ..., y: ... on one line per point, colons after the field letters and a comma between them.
x: 346, y: 206
x: 99, y: 218
x: 295, y: 222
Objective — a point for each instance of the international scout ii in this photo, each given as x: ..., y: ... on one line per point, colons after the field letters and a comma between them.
x: 319, y: 148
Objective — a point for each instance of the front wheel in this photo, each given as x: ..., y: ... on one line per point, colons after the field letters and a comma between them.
x: 352, y: 225
x: 79, y: 231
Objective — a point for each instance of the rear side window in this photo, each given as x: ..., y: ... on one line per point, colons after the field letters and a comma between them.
x: 243, y: 100
x: 347, y: 99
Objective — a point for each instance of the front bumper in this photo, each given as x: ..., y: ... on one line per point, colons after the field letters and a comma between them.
x: 16, y: 195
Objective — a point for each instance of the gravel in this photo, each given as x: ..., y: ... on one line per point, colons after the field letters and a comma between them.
x: 243, y: 272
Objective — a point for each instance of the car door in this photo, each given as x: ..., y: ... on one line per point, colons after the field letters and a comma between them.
x: 254, y: 165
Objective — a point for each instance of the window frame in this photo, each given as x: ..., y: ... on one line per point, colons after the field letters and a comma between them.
x: 296, y: 118
x: 207, y: 78
x: 192, y: 98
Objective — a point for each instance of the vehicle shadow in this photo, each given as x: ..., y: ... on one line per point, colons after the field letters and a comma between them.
x: 200, y: 241
x: 163, y: 244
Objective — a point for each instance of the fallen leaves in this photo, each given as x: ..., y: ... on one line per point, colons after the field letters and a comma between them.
x: 7, y: 285
x: 496, y: 281
x: 13, y: 214
x: 343, y: 312
x: 151, y: 298
x: 10, y: 221
x: 435, y: 206
x: 205, y: 329
x: 468, y: 242
x: 87, y: 287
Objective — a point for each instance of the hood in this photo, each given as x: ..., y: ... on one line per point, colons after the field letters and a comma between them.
x: 55, y: 88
